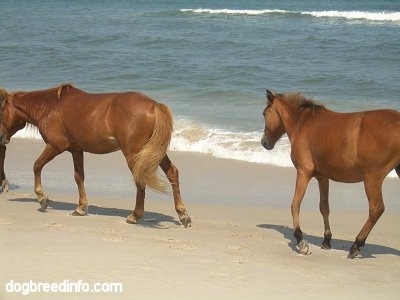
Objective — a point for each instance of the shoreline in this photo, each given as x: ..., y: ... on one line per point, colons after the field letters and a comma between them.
x: 238, y: 246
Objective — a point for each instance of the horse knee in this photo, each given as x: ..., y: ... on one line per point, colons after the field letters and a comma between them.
x: 295, y: 208
x: 376, y: 212
x: 173, y: 174
x: 79, y: 177
x: 37, y: 168
x: 170, y: 170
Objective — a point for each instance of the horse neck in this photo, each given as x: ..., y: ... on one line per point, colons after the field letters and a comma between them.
x: 34, y: 106
x: 289, y: 115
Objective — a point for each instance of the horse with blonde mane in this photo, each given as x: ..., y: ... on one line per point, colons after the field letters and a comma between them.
x: 344, y: 147
x: 69, y: 119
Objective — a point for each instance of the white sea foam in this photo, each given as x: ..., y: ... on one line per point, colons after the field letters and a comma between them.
x: 28, y: 133
x: 245, y: 146
x: 351, y: 15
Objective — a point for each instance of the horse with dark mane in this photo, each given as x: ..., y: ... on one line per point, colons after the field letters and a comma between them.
x: 344, y: 147
x: 69, y: 119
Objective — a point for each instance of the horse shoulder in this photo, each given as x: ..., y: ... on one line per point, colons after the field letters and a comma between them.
x: 301, y: 150
x: 311, y: 126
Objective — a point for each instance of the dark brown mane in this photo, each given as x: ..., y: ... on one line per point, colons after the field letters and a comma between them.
x: 306, y: 103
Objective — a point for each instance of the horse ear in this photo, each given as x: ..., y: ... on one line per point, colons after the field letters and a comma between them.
x: 270, y: 96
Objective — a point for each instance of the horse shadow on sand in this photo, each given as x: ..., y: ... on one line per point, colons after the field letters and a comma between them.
x: 368, y: 251
x: 151, y: 219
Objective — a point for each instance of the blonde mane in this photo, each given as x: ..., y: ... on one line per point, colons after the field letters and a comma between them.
x: 66, y: 86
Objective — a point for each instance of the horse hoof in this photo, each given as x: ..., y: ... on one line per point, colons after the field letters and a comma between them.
x: 186, y: 221
x: 326, y: 245
x: 303, y: 248
x: 79, y: 213
x: 131, y: 220
x: 354, y: 253
x: 5, y: 186
x: 44, y: 203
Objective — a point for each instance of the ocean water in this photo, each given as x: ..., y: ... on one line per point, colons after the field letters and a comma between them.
x: 210, y: 61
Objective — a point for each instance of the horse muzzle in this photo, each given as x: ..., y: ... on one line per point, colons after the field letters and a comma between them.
x: 266, y: 144
x: 3, y: 139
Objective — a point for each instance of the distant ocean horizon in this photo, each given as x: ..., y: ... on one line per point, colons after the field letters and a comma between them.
x: 211, y: 62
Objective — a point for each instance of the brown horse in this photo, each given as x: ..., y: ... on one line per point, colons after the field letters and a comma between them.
x: 70, y: 119
x: 345, y: 147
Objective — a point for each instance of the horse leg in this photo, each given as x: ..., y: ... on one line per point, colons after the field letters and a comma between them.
x: 373, y: 189
x: 302, y: 181
x: 138, y: 213
x: 172, y: 173
x: 79, y: 175
x: 323, y: 184
x: 47, y: 155
x: 3, y: 180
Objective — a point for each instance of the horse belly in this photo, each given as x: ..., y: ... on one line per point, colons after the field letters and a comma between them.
x: 101, y: 145
x: 346, y: 176
x: 340, y: 170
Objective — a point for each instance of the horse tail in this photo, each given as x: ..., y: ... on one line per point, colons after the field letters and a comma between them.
x: 149, y: 157
x: 398, y: 170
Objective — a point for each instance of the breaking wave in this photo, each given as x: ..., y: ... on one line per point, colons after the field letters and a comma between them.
x: 246, y: 146
x: 350, y: 15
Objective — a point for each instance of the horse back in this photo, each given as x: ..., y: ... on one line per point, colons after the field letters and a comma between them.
x: 378, y: 126
x: 341, y: 145
x: 104, y: 106
x: 99, y: 123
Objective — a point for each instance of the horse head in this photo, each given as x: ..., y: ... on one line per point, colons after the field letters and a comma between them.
x: 10, y: 120
x: 274, y: 128
x: 3, y: 97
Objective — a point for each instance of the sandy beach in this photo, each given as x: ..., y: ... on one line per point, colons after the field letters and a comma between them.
x: 239, y: 245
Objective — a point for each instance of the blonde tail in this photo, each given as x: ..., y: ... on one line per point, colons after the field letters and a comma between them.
x: 150, y: 156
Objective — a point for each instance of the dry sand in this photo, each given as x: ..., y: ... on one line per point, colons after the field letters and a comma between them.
x: 240, y: 244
